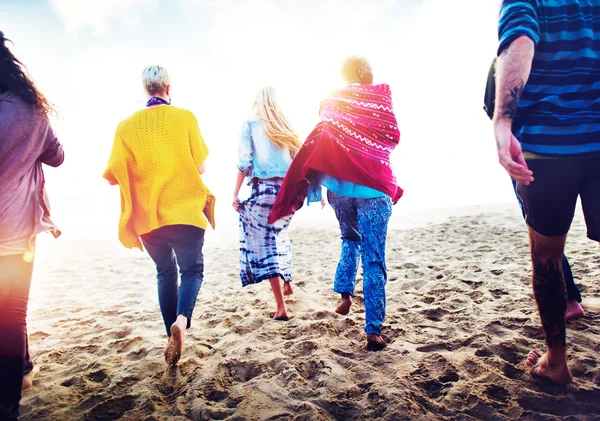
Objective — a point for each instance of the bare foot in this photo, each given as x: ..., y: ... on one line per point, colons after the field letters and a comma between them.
x: 280, y: 314
x: 287, y: 288
x: 540, y: 367
x: 375, y: 342
x: 28, y: 378
x: 574, y: 310
x: 343, y: 307
x: 175, y: 346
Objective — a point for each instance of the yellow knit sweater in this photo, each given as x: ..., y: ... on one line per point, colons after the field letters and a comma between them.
x: 154, y: 160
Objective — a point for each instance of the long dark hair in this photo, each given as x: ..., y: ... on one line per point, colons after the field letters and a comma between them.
x: 15, y: 78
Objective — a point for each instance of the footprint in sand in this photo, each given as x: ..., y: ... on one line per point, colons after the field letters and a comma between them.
x: 241, y: 371
x: 111, y: 409
x: 97, y: 376
x: 126, y: 344
x: 300, y: 349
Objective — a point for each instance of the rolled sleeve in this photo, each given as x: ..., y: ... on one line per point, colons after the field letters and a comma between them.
x: 54, y: 154
x: 517, y: 18
x: 244, y: 164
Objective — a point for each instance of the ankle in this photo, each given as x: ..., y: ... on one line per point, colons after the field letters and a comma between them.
x: 556, y: 357
x: 182, y: 321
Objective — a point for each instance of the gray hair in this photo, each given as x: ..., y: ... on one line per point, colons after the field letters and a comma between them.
x: 351, y: 65
x: 155, y: 79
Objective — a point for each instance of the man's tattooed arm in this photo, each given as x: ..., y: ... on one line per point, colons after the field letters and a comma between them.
x: 512, y: 72
x: 510, y: 110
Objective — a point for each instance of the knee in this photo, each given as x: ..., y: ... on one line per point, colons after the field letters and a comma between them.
x: 351, y: 234
x: 167, y: 274
x: 372, y: 258
x: 546, y: 249
x: 374, y: 270
x: 351, y: 240
x: 13, y: 331
x: 194, y: 270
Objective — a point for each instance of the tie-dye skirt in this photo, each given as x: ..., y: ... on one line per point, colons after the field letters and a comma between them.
x: 265, y: 250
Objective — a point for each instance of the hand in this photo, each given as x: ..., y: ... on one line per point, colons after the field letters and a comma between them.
x: 323, y: 203
x: 510, y: 154
x: 236, y: 203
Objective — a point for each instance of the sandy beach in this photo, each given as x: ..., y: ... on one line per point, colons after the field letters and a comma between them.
x: 460, y: 322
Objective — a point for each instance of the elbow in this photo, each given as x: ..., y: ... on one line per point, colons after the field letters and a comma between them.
x: 245, y: 171
x: 53, y: 156
x: 55, y: 161
x: 523, y: 43
x: 523, y: 46
x: 111, y: 180
x: 60, y: 160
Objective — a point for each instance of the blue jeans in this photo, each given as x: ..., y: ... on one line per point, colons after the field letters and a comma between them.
x: 572, y: 290
x: 163, y: 245
x: 363, y: 224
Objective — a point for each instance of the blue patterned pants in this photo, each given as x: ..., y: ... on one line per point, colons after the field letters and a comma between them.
x: 265, y: 250
x: 363, y: 223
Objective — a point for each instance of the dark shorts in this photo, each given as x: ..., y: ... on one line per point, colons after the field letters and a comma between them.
x: 551, y: 199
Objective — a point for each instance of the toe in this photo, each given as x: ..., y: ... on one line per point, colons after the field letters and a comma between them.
x: 533, y: 357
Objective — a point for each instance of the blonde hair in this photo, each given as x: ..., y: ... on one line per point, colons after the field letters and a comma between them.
x: 350, y: 67
x: 155, y: 79
x: 276, y: 125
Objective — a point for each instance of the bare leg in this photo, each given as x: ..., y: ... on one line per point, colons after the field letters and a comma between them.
x: 175, y: 346
x: 281, y: 313
x: 287, y: 288
x: 343, y: 307
x: 28, y: 378
x: 551, y: 297
x: 574, y: 310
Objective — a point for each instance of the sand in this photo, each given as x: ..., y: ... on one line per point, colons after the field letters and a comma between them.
x: 461, y: 320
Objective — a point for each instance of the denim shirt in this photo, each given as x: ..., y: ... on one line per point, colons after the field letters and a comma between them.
x: 257, y: 156
x: 339, y: 187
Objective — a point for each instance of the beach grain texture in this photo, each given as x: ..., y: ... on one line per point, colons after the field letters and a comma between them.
x: 460, y: 322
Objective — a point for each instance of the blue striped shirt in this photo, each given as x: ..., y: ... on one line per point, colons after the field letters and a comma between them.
x: 559, y: 111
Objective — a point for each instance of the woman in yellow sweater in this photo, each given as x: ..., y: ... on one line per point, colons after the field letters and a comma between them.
x: 157, y: 158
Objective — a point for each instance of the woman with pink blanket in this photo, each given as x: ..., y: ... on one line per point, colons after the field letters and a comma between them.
x: 349, y: 153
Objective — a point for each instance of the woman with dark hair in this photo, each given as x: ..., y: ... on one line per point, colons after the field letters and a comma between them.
x: 26, y: 142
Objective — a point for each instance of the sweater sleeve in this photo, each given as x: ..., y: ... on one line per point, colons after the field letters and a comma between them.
x: 517, y: 18
x: 53, y: 154
x: 197, y: 146
x: 116, y: 159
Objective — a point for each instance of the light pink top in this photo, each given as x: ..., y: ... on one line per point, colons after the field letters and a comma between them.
x: 26, y: 141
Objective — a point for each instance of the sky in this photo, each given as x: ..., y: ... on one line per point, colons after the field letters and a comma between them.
x: 87, y: 58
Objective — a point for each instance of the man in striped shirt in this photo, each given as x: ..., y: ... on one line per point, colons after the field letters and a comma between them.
x: 547, y: 129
